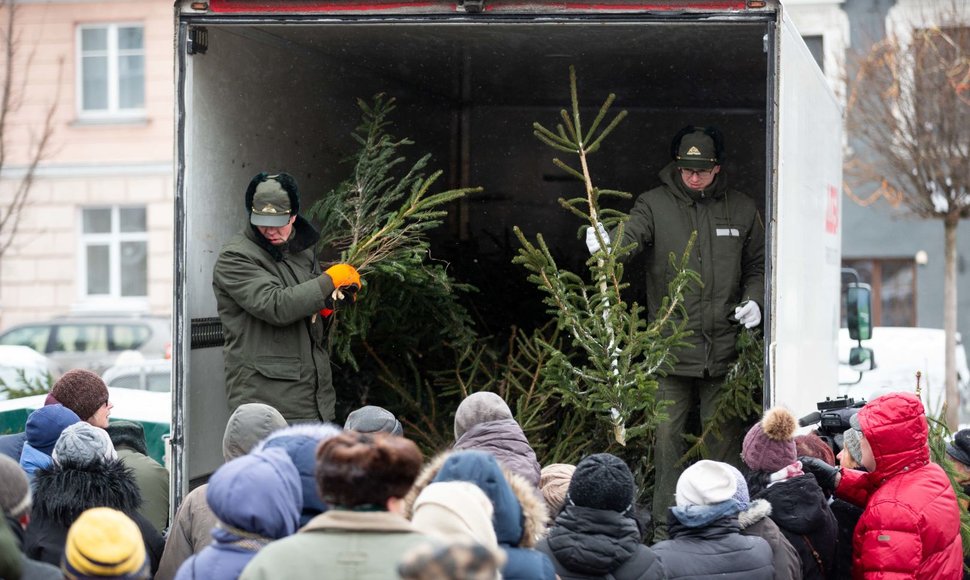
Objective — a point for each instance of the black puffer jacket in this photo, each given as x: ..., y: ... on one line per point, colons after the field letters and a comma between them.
x: 588, y: 543
x: 800, y: 509
x: 716, y: 549
x: 62, y: 493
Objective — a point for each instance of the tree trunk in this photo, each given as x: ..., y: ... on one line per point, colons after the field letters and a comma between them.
x: 950, y: 223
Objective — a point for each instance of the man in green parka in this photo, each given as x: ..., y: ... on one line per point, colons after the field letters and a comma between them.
x: 729, y: 255
x: 270, y: 293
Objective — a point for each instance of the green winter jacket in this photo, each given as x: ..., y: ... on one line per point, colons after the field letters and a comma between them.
x: 729, y: 255
x: 268, y: 299
x: 339, y: 545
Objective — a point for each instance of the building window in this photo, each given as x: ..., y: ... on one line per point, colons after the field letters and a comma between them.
x: 111, y: 65
x: 893, y: 282
x: 114, y: 252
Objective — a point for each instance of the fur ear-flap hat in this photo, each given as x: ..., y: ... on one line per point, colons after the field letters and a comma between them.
x: 770, y: 443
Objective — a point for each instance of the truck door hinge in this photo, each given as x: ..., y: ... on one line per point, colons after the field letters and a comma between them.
x: 474, y: 6
x: 198, y: 41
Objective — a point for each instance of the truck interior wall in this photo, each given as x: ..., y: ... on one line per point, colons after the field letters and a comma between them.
x: 283, y: 98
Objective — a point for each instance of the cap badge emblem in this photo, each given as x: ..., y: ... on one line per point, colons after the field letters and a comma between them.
x: 693, y: 151
x: 268, y: 209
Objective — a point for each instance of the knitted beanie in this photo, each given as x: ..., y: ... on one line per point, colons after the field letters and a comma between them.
x: 705, y: 483
x: 554, y: 483
x: 480, y: 407
x: 83, y: 444
x: 770, y: 445
x: 81, y: 391
x: 741, y: 496
x: 850, y: 442
x: 959, y: 448
x: 15, y: 496
x: 45, y: 425
x: 371, y: 418
x: 104, y: 543
x: 602, y: 481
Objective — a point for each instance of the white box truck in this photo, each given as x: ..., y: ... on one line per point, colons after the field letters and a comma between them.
x: 271, y: 85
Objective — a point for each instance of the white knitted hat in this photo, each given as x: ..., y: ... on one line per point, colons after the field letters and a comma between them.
x: 705, y: 483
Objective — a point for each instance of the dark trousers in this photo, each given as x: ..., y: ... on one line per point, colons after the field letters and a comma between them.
x: 682, y: 394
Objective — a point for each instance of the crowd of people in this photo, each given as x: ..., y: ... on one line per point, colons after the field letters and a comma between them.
x: 361, y: 501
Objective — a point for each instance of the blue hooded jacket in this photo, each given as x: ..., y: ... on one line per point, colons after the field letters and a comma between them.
x: 43, y: 428
x: 300, y: 443
x: 483, y: 470
x: 257, y: 499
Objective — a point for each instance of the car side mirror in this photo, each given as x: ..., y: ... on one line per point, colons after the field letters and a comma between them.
x: 861, y: 359
x: 858, y: 303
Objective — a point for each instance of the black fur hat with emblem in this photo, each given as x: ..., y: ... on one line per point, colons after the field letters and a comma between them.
x: 697, y: 147
x: 272, y: 196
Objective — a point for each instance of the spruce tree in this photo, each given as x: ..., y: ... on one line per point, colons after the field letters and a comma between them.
x: 614, y: 354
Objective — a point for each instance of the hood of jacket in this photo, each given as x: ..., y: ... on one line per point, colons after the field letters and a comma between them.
x: 300, y: 443
x: 505, y: 440
x: 519, y: 514
x: 592, y: 541
x: 717, y: 527
x: 31, y: 459
x: 798, y: 504
x: 670, y: 176
x: 62, y: 493
x: 699, y: 516
x: 895, y: 427
x: 758, y: 510
x: 259, y: 493
x: 248, y: 425
x: 305, y: 236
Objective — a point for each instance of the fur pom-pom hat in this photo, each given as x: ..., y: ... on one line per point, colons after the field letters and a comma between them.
x: 770, y: 443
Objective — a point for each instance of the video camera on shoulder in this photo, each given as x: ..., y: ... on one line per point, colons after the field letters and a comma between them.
x: 832, y: 418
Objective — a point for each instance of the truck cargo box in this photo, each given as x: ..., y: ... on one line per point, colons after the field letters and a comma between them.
x: 273, y: 86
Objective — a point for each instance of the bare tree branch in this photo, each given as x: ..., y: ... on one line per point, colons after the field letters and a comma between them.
x: 16, y: 73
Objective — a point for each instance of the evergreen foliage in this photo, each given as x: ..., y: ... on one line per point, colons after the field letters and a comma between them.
x: 743, y: 393
x: 939, y: 434
x: 378, y: 219
x: 24, y: 386
x: 614, y: 353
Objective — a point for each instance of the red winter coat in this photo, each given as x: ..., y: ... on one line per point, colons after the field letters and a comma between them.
x: 911, y: 524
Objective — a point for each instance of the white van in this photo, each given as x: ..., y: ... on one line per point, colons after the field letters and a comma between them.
x: 899, y: 352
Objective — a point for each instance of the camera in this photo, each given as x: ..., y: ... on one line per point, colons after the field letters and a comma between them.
x: 833, y: 419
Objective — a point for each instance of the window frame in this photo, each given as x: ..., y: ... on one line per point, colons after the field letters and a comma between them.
x: 876, y: 283
x: 114, y: 239
x: 113, y: 112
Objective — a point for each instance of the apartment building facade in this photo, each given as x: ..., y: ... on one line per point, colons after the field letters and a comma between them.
x: 95, y: 233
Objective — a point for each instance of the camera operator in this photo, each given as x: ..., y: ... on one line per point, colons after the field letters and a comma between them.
x: 910, y: 525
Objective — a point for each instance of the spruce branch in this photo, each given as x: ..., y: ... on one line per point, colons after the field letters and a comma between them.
x: 614, y: 352
x: 377, y: 220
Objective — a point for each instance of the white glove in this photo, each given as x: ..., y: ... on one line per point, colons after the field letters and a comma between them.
x: 748, y: 314
x: 592, y: 243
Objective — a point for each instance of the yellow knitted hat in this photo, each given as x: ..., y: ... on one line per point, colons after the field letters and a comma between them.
x: 104, y: 543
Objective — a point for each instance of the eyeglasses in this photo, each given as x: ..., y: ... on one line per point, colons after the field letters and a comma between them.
x: 702, y: 173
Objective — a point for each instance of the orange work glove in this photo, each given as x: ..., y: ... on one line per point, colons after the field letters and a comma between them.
x: 346, y: 283
x: 344, y: 276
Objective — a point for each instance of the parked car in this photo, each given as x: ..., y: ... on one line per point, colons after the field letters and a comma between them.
x: 140, y: 373
x: 23, y: 368
x: 93, y: 342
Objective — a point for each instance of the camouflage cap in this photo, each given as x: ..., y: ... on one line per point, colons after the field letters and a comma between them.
x: 271, y: 204
x: 696, y: 151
